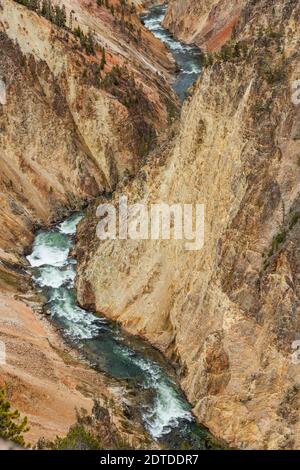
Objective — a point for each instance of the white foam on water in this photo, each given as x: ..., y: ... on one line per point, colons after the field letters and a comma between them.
x: 168, y: 407
x: 175, y: 46
x: 154, y: 23
x: 193, y: 71
x: 167, y: 412
x: 48, y: 255
x: 78, y: 323
x: 68, y: 227
x: 57, y: 271
x: 51, y: 276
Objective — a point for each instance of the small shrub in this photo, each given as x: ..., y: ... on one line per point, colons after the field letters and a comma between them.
x: 78, y: 438
x: 274, y: 75
x: 90, y: 432
x: 294, y: 219
x: 233, y: 52
x: 278, y: 240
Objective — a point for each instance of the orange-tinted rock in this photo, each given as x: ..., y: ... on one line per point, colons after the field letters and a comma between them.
x: 208, y: 24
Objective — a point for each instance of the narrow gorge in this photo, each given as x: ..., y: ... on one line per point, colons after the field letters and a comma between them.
x: 188, y: 102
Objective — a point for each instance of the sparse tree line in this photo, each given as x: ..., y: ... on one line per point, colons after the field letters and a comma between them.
x: 123, y: 8
x: 90, y: 432
x: 118, y: 81
x: 56, y: 14
x: 240, y: 50
x: 228, y: 53
x: 122, y: 13
x: 129, y: 93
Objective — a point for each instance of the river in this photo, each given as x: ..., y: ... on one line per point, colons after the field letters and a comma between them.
x: 188, y: 58
x: 162, y: 407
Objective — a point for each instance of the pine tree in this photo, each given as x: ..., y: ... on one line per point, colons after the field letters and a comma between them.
x: 34, y: 5
x: 89, y: 44
x: 60, y: 18
x: 11, y: 427
x: 103, y: 60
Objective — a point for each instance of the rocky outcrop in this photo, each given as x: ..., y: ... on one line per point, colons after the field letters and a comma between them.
x: 208, y: 24
x: 228, y: 314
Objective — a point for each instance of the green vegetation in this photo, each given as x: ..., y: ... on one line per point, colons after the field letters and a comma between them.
x: 294, y: 220
x: 240, y: 50
x: 12, y: 427
x: 274, y: 74
x: 122, y: 84
x: 118, y: 81
x: 103, y: 59
x: 270, y: 33
x: 57, y: 15
x: 272, y: 71
x: 277, y: 241
x: 122, y: 14
x: 261, y: 107
x: 78, y: 438
x: 90, y: 432
x: 232, y: 52
x: 86, y: 40
x: 280, y: 238
x: 104, y: 3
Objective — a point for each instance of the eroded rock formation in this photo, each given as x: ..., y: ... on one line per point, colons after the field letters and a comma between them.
x: 229, y: 313
x: 71, y: 127
x: 208, y: 23
x: 63, y: 138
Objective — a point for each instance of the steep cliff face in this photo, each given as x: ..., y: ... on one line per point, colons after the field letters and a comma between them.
x: 207, y: 23
x: 68, y: 130
x: 230, y: 312
x: 72, y: 124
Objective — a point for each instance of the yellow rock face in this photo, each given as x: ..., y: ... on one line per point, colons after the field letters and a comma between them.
x: 228, y: 314
x: 63, y: 140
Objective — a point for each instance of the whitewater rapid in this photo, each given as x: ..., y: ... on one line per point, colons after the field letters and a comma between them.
x: 54, y: 271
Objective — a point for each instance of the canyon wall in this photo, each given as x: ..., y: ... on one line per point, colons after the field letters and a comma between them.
x: 146, y: 4
x: 228, y: 314
x: 71, y: 127
x: 208, y: 24
x: 65, y: 136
